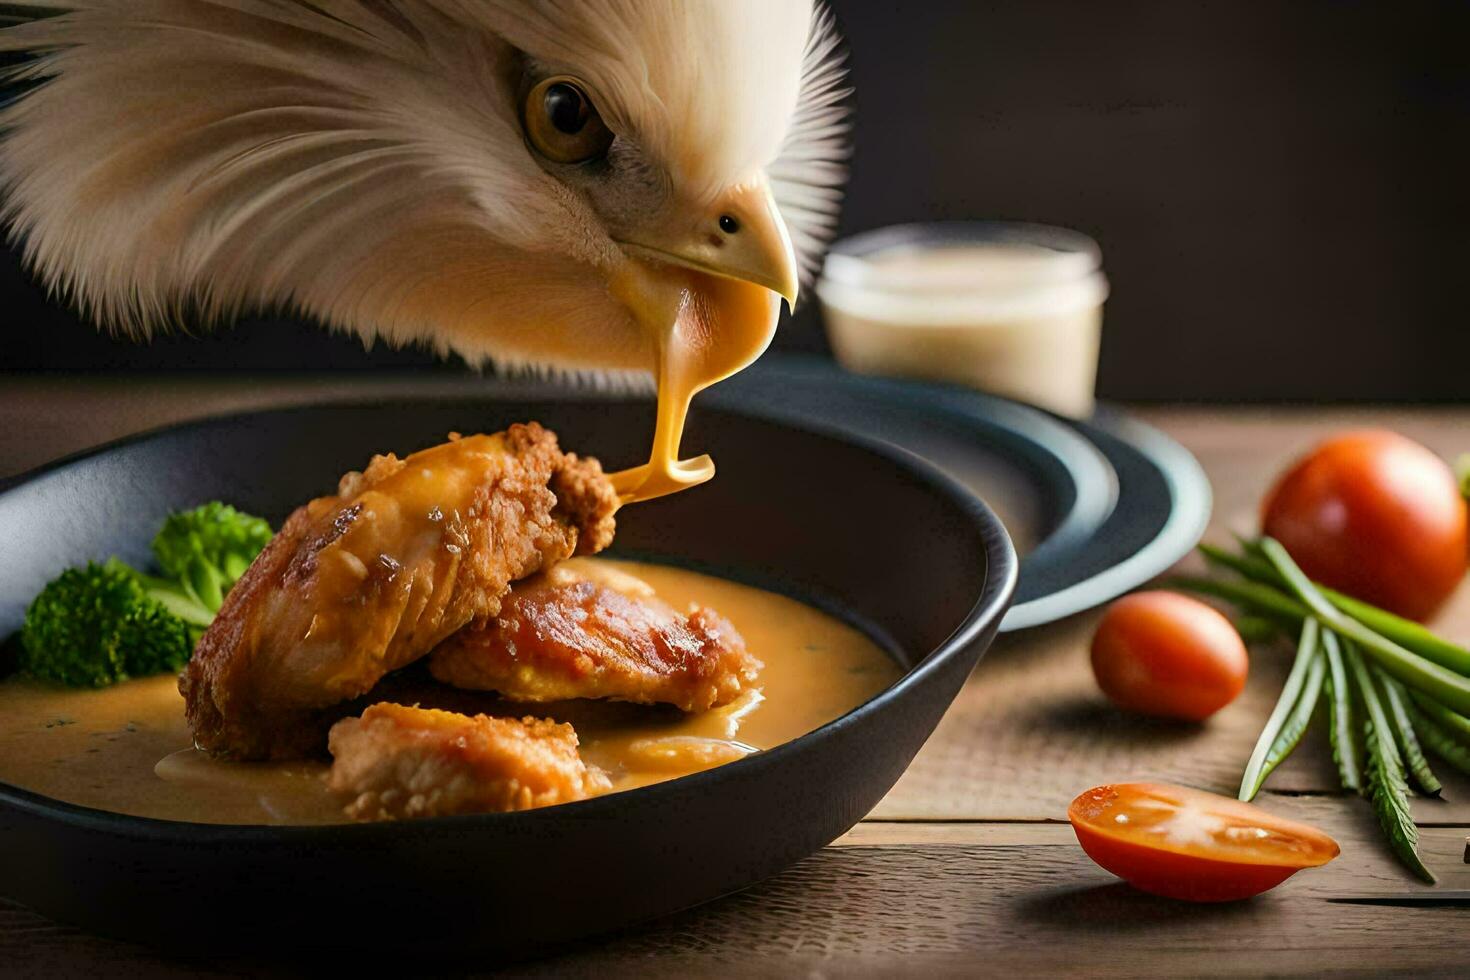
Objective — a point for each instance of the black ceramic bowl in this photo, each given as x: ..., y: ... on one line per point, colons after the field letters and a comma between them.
x: 869, y: 533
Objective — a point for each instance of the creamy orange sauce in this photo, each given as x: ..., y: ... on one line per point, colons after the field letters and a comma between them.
x: 721, y: 326
x: 127, y: 748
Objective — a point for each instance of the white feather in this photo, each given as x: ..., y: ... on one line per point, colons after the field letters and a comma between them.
x: 808, y: 174
x: 361, y: 161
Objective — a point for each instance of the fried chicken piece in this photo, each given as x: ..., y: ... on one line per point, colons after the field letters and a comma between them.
x: 397, y: 762
x: 566, y: 634
x: 367, y: 581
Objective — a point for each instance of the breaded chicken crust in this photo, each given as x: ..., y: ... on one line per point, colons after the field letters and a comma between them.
x: 364, y: 582
x: 561, y: 636
x: 398, y: 762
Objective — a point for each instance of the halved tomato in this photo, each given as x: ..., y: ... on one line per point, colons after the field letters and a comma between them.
x: 1184, y: 843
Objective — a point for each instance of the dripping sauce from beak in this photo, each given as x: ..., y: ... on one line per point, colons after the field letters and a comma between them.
x: 710, y: 312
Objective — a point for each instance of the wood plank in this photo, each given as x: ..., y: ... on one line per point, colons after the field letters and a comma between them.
x: 950, y: 899
x: 1030, y: 731
x: 1365, y: 866
x: 1006, y: 899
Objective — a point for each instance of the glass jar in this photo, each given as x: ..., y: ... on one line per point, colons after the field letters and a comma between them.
x: 1012, y: 309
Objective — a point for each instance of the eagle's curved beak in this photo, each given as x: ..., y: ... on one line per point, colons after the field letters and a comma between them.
x: 742, y: 237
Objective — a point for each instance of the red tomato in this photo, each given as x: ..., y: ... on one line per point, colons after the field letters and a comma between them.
x: 1166, y: 654
x: 1374, y: 515
x: 1183, y: 843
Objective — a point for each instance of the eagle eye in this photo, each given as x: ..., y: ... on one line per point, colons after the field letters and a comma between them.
x: 561, y: 122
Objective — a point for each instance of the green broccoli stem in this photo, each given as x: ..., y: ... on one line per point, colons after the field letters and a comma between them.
x: 235, y: 566
x: 208, y: 548
x: 173, y: 598
x: 203, y: 582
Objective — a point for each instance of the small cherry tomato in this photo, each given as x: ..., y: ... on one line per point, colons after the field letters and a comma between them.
x: 1184, y: 843
x: 1160, y: 653
x: 1375, y: 515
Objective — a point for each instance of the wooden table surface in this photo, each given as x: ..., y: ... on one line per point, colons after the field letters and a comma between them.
x: 968, y: 867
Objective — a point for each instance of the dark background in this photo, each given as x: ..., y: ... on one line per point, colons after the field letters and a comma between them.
x: 1280, y: 190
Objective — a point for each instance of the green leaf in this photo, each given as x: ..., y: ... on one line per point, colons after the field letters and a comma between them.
x: 1396, y: 701
x: 1292, y: 714
x: 1387, y: 787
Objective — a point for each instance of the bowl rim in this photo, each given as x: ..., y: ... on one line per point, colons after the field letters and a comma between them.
x: 984, y: 615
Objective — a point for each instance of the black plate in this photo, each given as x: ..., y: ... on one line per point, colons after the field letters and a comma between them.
x: 1096, y: 508
x: 858, y: 528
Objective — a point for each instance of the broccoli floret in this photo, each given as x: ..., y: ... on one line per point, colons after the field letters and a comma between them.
x: 208, y: 548
x: 101, y: 624
x: 98, y: 625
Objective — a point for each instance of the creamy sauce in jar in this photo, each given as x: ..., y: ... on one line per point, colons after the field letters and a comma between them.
x: 1012, y: 309
x: 127, y: 748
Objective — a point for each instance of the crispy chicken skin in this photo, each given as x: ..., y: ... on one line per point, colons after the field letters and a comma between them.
x: 398, y: 762
x: 364, y: 582
x: 566, y: 635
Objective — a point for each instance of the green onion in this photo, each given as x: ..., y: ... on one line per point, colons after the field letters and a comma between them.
x: 1260, y: 599
x: 1386, y: 784
x: 1439, y: 741
x: 1292, y: 714
x: 1255, y: 569
x: 1396, y: 700
x: 1405, y: 632
x: 1343, y: 728
x: 1444, y: 685
x: 1257, y: 629
x: 1457, y: 725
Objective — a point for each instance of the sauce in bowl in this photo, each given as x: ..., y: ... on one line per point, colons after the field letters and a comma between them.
x: 127, y: 748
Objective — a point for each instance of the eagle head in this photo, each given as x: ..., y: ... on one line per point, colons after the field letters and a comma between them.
x: 533, y: 183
